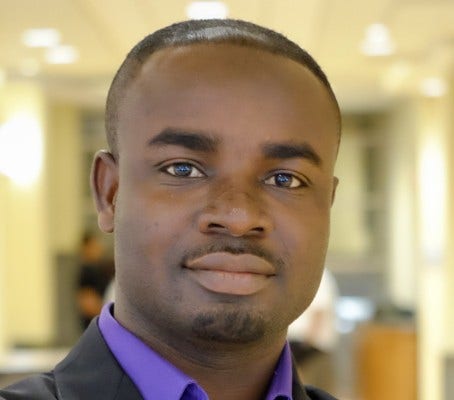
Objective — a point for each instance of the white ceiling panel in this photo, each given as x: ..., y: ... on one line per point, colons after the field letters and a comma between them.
x: 332, y: 30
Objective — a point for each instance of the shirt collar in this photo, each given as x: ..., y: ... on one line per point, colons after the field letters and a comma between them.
x: 156, y: 378
x: 281, y: 383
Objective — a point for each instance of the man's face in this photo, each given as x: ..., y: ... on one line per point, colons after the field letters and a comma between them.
x: 221, y: 194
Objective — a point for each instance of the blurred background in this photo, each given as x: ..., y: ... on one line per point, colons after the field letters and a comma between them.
x: 391, y: 63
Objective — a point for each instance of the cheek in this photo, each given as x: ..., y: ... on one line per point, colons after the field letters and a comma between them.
x: 148, y: 224
x: 306, y: 224
x: 304, y: 237
x: 146, y: 245
x: 306, y: 244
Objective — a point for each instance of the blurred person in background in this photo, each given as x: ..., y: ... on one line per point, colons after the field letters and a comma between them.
x: 94, y: 276
x: 313, y: 335
x: 218, y: 186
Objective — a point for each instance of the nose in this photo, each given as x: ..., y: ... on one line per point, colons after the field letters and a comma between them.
x: 235, y: 213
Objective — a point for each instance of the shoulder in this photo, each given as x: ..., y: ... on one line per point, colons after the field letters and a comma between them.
x: 37, y: 387
x: 318, y: 394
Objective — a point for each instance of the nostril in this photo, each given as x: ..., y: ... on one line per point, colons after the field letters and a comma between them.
x: 215, y: 226
x: 233, y: 221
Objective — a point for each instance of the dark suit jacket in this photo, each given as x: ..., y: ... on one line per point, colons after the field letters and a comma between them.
x: 90, y: 371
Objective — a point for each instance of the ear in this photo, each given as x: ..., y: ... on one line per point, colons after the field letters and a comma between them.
x: 333, y: 194
x: 104, y: 185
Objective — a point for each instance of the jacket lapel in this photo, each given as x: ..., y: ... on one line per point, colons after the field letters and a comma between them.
x: 90, y: 371
x: 298, y: 391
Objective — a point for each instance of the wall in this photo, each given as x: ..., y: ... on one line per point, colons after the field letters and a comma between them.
x: 433, y: 206
x: 349, y: 205
x: 26, y: 288
x: 420, y: 256
x: 449, y: 281
x: 400, y: 169
x: 3, y: 263
x: 65, y: 176
x: 41, y: 214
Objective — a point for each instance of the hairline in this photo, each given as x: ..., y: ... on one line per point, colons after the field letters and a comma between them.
x: 266, y: 40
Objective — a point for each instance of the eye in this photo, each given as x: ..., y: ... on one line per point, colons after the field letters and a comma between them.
x: 184, y: 170
x: 285, y: 180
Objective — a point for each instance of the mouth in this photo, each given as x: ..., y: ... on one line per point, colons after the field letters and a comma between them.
x: 226, y: 273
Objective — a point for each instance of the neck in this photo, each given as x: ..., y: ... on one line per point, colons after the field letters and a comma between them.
x: 247, y: 371
x: 226, y: 371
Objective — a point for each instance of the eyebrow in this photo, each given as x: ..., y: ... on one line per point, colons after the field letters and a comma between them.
x: 292, y: 150
x: 203, y: 142
x: 197, y: 141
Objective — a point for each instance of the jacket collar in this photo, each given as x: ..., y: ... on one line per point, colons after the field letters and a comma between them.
x: 91, y: 371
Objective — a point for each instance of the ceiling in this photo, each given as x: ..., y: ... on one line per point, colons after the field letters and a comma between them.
x: 332, y: 30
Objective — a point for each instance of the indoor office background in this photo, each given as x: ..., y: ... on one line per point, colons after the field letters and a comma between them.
x: 391, y: 62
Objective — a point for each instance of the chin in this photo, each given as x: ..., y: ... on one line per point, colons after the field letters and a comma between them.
x: 229, y: 327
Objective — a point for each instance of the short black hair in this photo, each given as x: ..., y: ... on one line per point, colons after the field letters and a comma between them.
x: 184, y: 33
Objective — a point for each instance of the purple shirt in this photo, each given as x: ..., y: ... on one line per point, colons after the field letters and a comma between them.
x: 156, y: 378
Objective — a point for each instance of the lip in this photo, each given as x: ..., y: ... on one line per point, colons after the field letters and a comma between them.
x: 236, y: 274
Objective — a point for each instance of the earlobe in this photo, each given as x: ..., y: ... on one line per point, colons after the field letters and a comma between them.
x: 335, y: 184
x: 104, y: 185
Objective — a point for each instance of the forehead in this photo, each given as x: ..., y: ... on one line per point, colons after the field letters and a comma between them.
x: 211, y: 63
x: 226, y: 88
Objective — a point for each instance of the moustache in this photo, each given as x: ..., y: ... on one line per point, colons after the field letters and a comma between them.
x: 235, y: 248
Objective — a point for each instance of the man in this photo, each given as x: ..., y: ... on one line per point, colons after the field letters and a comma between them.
x: 218, y: 186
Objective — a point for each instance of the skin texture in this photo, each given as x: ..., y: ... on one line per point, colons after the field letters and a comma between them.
x: 213, y: 267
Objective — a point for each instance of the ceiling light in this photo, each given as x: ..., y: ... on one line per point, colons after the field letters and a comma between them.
x: 377, y: 41
x: 21, y: 149
x: 207, y: 10
x: 42, y: 37
x: 433, y: 87
x: 61, y: 55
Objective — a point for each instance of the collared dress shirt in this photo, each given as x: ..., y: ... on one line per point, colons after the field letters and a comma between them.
x: 156, y: 378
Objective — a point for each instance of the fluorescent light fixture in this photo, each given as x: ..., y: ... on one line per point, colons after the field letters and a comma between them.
x: 207, y: 10
x: 21, y: 149
x: 41, y: 37
x: 377, y: 41
x: 433, y: 87
x: 61, y: 55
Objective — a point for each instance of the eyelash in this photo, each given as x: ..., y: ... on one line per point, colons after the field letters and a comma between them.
x: 192, y: 171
